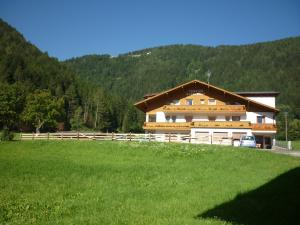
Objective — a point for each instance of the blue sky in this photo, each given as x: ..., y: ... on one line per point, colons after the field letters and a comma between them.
x: 68, y: 28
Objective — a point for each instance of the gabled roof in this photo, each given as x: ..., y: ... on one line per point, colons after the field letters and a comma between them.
x: 142, y: 105
x: 257, y: 93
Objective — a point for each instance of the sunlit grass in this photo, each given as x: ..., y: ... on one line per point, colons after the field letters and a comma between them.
x: 94, y: 182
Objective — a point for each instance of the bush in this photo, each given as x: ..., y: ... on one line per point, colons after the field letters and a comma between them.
x: 6, y: 135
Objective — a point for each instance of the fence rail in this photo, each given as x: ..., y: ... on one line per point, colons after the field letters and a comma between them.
x: 180, y: 138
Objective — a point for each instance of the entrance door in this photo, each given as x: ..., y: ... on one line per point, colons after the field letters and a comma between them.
x: 259, y: 141
x: 268, y: 144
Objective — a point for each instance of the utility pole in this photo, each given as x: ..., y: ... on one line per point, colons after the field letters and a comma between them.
x: 286, y: 128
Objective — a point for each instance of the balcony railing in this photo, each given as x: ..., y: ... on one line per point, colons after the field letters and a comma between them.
x: 221, y: 124
x: 216, y: 109
x: 207, y: 124
x: 166, y: 126
x: 189, y: 125
x: 264, y: 126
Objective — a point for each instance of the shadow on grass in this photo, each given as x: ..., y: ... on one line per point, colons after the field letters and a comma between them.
x: 276, y: 202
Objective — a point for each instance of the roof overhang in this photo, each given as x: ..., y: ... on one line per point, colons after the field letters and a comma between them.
x: 143, y: 104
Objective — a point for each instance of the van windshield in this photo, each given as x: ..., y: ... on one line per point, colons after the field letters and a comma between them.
x: 248, y: 138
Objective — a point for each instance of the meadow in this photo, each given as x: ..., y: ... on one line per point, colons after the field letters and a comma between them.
x: 93, y: 182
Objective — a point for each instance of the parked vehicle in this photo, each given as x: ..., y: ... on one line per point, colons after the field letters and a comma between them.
x: 248, y: 141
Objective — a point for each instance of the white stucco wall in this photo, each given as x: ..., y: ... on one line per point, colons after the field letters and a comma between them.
x: 252, y: 117
x: 160, y: 117
x: 270, y: 101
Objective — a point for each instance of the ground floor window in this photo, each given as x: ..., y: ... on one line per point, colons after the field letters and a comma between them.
x: 212, y: 118
x: 236, y: 118
x: 188, y: 118
x: 173, y: 119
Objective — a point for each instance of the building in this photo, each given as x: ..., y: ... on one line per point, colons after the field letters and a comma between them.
x: 208, y: 114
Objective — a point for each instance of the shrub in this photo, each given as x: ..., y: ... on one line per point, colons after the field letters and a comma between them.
x: 6, y: 135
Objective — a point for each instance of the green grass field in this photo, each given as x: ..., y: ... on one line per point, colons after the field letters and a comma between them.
x: 93, y: 182
x: 296, y: 145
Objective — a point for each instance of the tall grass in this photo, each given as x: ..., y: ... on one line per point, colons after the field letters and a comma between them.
x: 71, y: 182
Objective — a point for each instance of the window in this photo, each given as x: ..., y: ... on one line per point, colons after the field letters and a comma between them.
x: 227, y: 118
x: 260, y: 119
x: 202, y: 101
x: 212, y: 101
x: 189, y: 101
x: 168, y: 118
x: 175, y: 102
x: 173, y: 119
x: 152, y: 118
x: 212, y: 118
x: 236, y: 118
x: 188, y: 118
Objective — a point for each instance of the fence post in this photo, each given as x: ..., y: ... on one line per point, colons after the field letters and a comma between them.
x: 289, y: 145
x: 77, y: 135
x: 32, y: 136
x: 130, y: 136
x: 48, y: 136
x: 112, y: 136
x: 190, y: 136
x: 169, y: 137
x: 61, y: 136
x: 149, y: 137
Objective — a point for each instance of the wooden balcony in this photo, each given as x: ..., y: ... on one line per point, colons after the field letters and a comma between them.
x: 221, y: 124
x: 264, y: 127
x: 189, y: 125
x: 166, y: 126
x: 207, y: 109
x: 209, y: 124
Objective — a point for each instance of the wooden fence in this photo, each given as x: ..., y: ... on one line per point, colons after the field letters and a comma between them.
x: 180, y: 138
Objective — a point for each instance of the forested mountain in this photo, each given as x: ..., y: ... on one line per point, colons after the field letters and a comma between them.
x: 38, y: 92
x: 258, y: 67
x: 269, y: 66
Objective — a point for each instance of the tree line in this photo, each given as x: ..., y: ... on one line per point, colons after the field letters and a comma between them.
x: 38, y: 93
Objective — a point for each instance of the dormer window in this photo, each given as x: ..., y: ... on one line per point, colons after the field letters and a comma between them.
x: 175, y: 102
x: 202, y: 101
x: 189, y: 102
x: 212, y: 101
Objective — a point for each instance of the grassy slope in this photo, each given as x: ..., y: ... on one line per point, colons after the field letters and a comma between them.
x: 126, y: 183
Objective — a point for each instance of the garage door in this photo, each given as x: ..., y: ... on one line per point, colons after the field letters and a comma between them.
x: 218, y: 137
x: 202, y: 137
x: 237, y: 135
